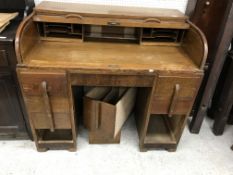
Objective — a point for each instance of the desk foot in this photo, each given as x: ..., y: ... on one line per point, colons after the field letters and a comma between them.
x: 143, y: 149
x: 42, y: 149
x: 72, y: 149
x: 171, y: 149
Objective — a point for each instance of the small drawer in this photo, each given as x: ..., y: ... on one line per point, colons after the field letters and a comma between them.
x: 3, y: 58
x: 174, y: 95
x: 165, y: 86
x: 112, y: 80
x: 58, y: 18
x: 133, y: 22
x: 41, y: 120
x: 32, y: 83
x: 162, y: 106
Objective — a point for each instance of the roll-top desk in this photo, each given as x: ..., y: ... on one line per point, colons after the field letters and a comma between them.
x: 97, y: 65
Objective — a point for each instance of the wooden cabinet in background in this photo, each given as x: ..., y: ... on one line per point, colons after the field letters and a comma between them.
x: 215, y: 19
x: 13, y: 119
x: 12, y: 123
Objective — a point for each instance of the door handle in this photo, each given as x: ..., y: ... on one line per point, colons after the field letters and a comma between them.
x: 74, y: 16
x: 47, y: 105
x: 113, y: 23
x: 152, y: 20
x: 174, y: 100
x: 207, y: 3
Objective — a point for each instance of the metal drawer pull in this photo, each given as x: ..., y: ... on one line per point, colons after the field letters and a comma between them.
x: 47, y: 105
x: 74, y: 16
x: 113, y: 23
x: 174, y: 100
x: 152, y: 20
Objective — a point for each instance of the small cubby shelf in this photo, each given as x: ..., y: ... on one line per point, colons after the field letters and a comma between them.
x: 58, y: 139
x: 59, y: 135
x: 111, y: 33
x: 163, y: 131
x: 157, y: 35
x: 60, y: 30
x: 85, y: 32
x: 159, y: 132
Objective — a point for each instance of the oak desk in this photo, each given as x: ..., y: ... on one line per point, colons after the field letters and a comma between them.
x: 66, y: 50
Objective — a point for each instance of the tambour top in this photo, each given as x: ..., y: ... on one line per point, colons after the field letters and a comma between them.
x: 110, y: 11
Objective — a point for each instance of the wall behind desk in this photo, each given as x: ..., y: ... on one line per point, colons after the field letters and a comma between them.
x: 172, y: 4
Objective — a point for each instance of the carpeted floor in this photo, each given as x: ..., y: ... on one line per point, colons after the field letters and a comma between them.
x: 196, y: 155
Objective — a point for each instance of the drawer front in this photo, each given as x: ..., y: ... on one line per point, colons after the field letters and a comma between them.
x: 112, y: 80
x: 32, y: 83
x: 75, y: 18
x: 35, y: 104
x: 174, y: 95
x: 41, y: 121
x: 3, y: 58
x: 162, y: 106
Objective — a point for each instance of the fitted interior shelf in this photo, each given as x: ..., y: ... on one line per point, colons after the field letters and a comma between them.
x: 157, y: 35
x: 105, y: 33
x: 111, y: 33
x: 58, y: 136
x: 164, y: 130
x: 60, y: 30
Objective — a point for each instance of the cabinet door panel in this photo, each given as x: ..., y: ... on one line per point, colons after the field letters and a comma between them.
x: 3, y: 58
x: 11, y: 118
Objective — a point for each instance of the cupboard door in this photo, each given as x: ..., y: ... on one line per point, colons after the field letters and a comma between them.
x: 11, y: 117
x: 46, y: 98
x: 3, y: 58
x: 174, y: 94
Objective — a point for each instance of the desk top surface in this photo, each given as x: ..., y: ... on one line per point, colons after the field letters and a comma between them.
x: 109, y: 56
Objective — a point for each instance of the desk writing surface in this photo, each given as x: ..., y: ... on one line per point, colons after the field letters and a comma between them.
x: 107, y: 56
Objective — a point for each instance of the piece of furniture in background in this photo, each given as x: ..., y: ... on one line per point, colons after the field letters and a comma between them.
x: 215, y: 19
x: 223, y: 97
x: 191, y: 4
x: 12, y: 118
x: 230, y: 119
x: 157, y: 52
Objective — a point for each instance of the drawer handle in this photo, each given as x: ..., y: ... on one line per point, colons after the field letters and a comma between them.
x: 152, y: 20
x: 113, y: 23
x: 74, y: 16
x: 47, y: 105
x: 174, y: 99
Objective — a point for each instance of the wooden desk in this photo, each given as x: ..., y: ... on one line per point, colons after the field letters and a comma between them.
x: 65, y: 54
